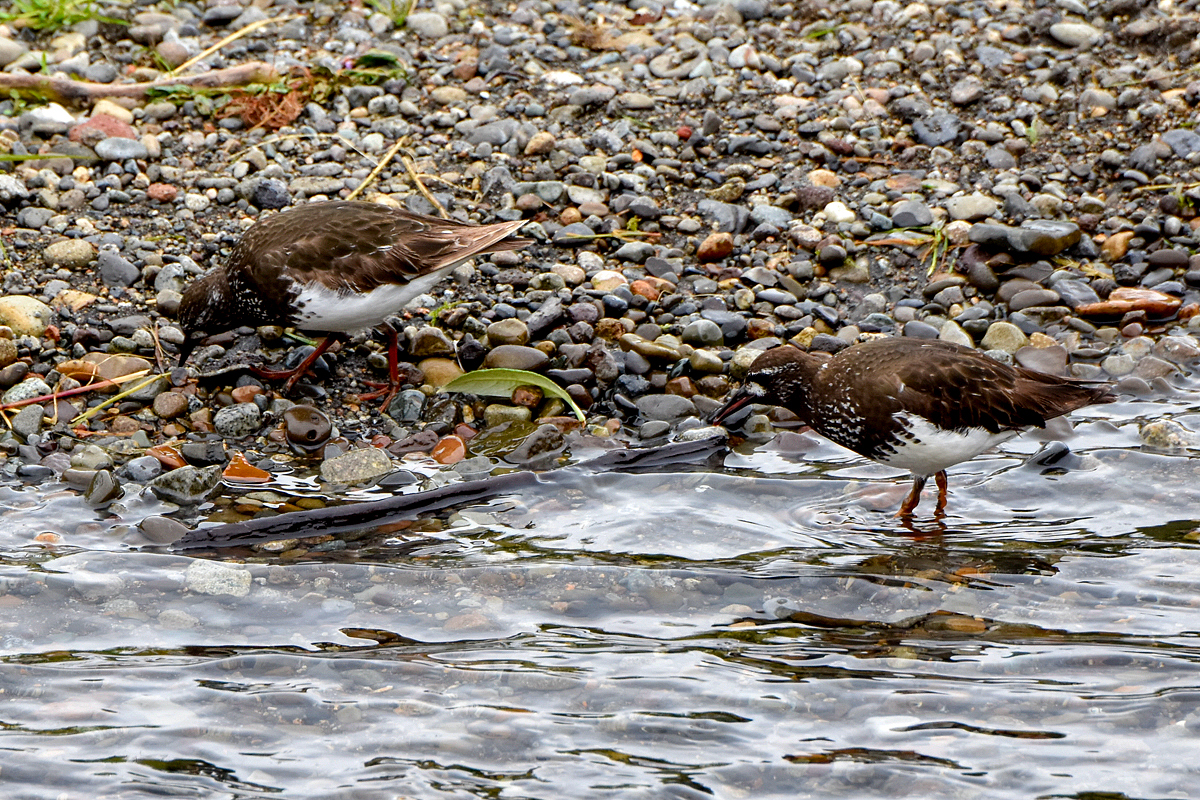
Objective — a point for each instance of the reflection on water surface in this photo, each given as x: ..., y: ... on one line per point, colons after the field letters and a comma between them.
x: 762, y: 630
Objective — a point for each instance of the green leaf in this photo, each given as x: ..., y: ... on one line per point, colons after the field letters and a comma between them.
x: 502, y: 383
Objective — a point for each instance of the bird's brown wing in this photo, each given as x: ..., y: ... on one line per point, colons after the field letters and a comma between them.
x: 959, y: 388
x: 360, y: 246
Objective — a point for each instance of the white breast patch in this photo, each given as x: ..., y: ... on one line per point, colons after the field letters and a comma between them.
x: 925, y: 448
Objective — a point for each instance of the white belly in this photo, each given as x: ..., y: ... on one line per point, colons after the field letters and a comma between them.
x: 321, y: 309
x: 926, y: 449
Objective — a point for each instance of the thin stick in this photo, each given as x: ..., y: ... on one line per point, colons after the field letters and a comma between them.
x: 64, y: 90
x: 383, y: 162
x: 1156, y: 186
x: 412, y: 173
x: 91, y: 412
x: 253, y: 26
x: 77, y: 390
x: 158, y: 353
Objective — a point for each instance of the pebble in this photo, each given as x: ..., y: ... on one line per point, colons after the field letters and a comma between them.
x: 1075, y: 34
x: 715, y: 247
x: 307, y: 428
x: 356, y: 466
x: 25, y: 316
x: 73, y: 254
x: 429, y: 341
x: 103, y: 489
x: 214, y: 578
x: 238, y: 420
x: 439, y: 371
x: 187, y: 485
x: 666, y: 407
x: 1168, y: 435
x: 1004, y: 336
x: 508, y: 332
x: 511, y: 356
x: 427, y: 24
x: 449, y: 450
x: 120, y: 148
x: 25, y: 390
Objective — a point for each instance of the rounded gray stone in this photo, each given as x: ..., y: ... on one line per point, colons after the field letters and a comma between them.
x: 356, y: 466
x: 30, y: 387
x: 187, y: 485
x: 118, y: 148
x: 237, y: 420
x: 703, y: 332
x: 27, y: 421
x: 665, y: 407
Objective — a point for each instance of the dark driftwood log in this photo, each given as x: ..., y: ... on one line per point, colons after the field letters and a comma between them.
x: 66, y: 90
x: 355, y: 516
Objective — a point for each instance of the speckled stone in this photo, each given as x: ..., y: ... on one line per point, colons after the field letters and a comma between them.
x: 237, y: 420
x: 213, y: 578
x: 187, y: 485
x: 356, y: 466
x: 30, y: 387
x: 26, y: 316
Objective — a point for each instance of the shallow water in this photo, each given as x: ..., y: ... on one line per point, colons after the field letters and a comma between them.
x: 764, y: 629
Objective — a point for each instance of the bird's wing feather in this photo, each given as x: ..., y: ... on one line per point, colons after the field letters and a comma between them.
x: 371, y: 246
x: 964, y: 388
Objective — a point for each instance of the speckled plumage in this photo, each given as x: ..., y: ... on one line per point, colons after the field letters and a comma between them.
x: 286, y: 265
x: 922, y: 405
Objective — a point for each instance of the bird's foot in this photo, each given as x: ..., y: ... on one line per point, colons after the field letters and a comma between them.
x: 910, y: 503
x: 385, y: 389
x: 294, y: 375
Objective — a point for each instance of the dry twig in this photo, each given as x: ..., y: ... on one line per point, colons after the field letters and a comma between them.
x: 383, y: 162
x: 412, y: 173
x: 65, y: 90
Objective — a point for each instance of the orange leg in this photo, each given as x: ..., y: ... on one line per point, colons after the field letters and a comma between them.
x: 940, y: 477
x: 914, y: 497
x: 390, y: 388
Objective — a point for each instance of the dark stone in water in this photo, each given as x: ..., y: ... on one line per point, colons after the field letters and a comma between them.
x: 1054, y: 457
x: 204, y: 453
x: 397, y: 479
x: 103, y: 489
x: 419, y: 442
x: 162, y: 530
x: 407, y: 406
x: 540, y: 449
x: 307, y: 428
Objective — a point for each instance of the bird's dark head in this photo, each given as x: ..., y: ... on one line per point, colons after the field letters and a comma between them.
x: 200, y: 313
x: 779, y: 377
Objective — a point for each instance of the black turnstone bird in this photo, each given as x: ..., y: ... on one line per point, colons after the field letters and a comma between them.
x: 333, y: 268
x: 917, y: 404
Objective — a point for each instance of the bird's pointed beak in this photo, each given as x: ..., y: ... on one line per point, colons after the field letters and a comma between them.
x: 741, y: 399
x: 185, y: 350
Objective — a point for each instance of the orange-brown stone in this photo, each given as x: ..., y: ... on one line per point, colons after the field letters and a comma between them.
x: 450, y: 450
x: 239, y: 469
x: 1115, y: 246
x: 246, y: 394
x: 682, y: 386
x: 645, y: 289
x: 1126, y: 298
x: 715, y: 247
